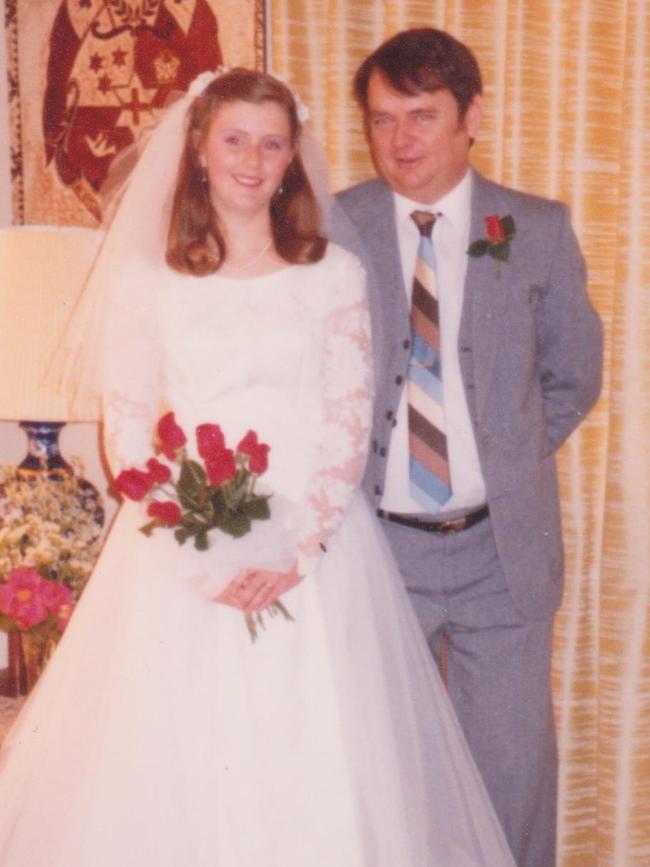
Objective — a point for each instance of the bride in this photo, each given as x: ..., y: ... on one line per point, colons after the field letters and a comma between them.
x: 160, y: 734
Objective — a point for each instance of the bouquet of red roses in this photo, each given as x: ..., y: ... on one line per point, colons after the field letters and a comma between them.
x: 218, y: 494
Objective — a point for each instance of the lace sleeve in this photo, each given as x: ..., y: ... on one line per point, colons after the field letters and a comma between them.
x: 346, y: 392
x: 131, y: 380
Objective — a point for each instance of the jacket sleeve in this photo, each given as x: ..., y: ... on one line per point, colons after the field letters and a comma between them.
x: 569, y: 338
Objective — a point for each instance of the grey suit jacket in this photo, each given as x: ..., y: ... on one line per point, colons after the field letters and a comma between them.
x: 530, y: 348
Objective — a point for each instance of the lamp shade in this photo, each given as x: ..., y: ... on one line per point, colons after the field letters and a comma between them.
x: 43, y: 270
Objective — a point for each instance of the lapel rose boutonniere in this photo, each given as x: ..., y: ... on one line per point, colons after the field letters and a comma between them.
x: 500, y: 232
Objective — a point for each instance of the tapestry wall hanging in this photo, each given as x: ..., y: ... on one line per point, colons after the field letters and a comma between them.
x: 87, y: 78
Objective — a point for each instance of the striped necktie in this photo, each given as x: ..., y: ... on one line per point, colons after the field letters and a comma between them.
x: 430, y: 482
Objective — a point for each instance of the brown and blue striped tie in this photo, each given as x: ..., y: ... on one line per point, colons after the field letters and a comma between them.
x: 430, y: 482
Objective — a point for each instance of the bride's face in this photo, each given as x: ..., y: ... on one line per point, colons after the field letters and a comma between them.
x: 246, y: 152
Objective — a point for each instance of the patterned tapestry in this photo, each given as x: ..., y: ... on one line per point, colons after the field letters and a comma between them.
x: 87, y: 78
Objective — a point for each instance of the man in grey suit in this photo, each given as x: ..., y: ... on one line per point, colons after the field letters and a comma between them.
x: 478, y: 384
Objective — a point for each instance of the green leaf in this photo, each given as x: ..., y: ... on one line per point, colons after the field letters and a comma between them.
x: 148, y: 529
x: 201, y: 541
x: 181, y: 535
x: 478, y: 248
x: 257, y: 508
x: 191, y: 483
x: 191, y: 524
x: 219, y: 507
x: 508, y: 226
x: 501, y: 251
x: 235, y: 524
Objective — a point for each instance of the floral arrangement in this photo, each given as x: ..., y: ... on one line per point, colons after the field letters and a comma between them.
x: 217, y: 494
x: 28, y: 600
x: 50, y: 533
x: 500, y: 231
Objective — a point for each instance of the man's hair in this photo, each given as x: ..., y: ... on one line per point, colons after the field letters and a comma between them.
x: 423, y: 59
x: 195, y: 242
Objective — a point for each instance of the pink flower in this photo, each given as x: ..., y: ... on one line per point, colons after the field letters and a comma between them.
x: 21, y: 598
x: 495, y: 231
x: 209, y: 440
x: 54, y: 595
x: 167, y: 512
x: 134, y: 484
x: 59, y: 601
x: 171, y: 436
x: 158, y: 471
x: 221, y: 467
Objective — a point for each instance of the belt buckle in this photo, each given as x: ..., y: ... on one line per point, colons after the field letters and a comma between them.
x: 453, y: 525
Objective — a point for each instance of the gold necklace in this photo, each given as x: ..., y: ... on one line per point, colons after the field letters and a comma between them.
x: 250, y: 263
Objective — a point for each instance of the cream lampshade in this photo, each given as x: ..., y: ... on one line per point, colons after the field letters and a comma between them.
x: 43, y: 270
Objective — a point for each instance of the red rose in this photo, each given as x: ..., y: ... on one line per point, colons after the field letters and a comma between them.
x: 209, y: 440
x: 258, y: 460
x: 248, y: 444
x: 221, y: 467
x: 167, y: 512
x: 495, y: 232
x: 134, y: 484
x: 257, y: 452
x: 171, y: 436
x: 159, y: 472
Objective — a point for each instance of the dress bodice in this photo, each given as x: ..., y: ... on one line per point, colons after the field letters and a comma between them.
x: 286, y: 354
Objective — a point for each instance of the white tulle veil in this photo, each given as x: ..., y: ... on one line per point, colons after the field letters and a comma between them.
x: 118, y: 298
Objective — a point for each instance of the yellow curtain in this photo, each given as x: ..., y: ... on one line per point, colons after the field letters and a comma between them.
x: 567, y: 94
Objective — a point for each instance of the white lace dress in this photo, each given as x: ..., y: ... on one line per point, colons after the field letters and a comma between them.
x: 160, y: 735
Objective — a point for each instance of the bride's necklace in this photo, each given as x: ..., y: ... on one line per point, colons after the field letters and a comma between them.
x: 256, y: 258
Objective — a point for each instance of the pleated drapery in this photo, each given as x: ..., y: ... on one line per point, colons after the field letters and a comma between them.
x: 567, y: 115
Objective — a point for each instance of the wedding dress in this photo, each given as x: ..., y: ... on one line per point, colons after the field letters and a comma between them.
x: 160, y: 734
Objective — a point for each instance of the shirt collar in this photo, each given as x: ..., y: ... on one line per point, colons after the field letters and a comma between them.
x: 455, y: 205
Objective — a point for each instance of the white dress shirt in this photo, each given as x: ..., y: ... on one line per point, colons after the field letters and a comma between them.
x: 450, y: 242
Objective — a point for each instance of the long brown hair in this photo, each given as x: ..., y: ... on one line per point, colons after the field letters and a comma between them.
x: 195, y: 242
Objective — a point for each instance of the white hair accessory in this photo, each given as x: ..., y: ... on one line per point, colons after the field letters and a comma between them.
x: 203, y: 79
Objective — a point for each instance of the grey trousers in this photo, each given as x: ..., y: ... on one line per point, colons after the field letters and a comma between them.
x: 498, y: 675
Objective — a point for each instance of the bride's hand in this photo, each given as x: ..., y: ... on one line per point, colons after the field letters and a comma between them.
x: 256, y: 589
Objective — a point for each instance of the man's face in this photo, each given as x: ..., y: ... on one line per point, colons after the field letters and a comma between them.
x: 419, y: 144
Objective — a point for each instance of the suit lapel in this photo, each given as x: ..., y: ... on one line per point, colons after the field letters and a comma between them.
x: 388, y: 299
x: 484, y: 299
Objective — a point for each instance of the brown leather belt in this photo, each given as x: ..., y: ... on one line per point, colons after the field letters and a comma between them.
x: 450, y: 525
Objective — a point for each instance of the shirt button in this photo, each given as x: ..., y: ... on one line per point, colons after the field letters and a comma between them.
x: 399, y: 380
x: 389, y: 415
x: 377, y: 490
x: 382, y: 452
x: 407, y: 344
